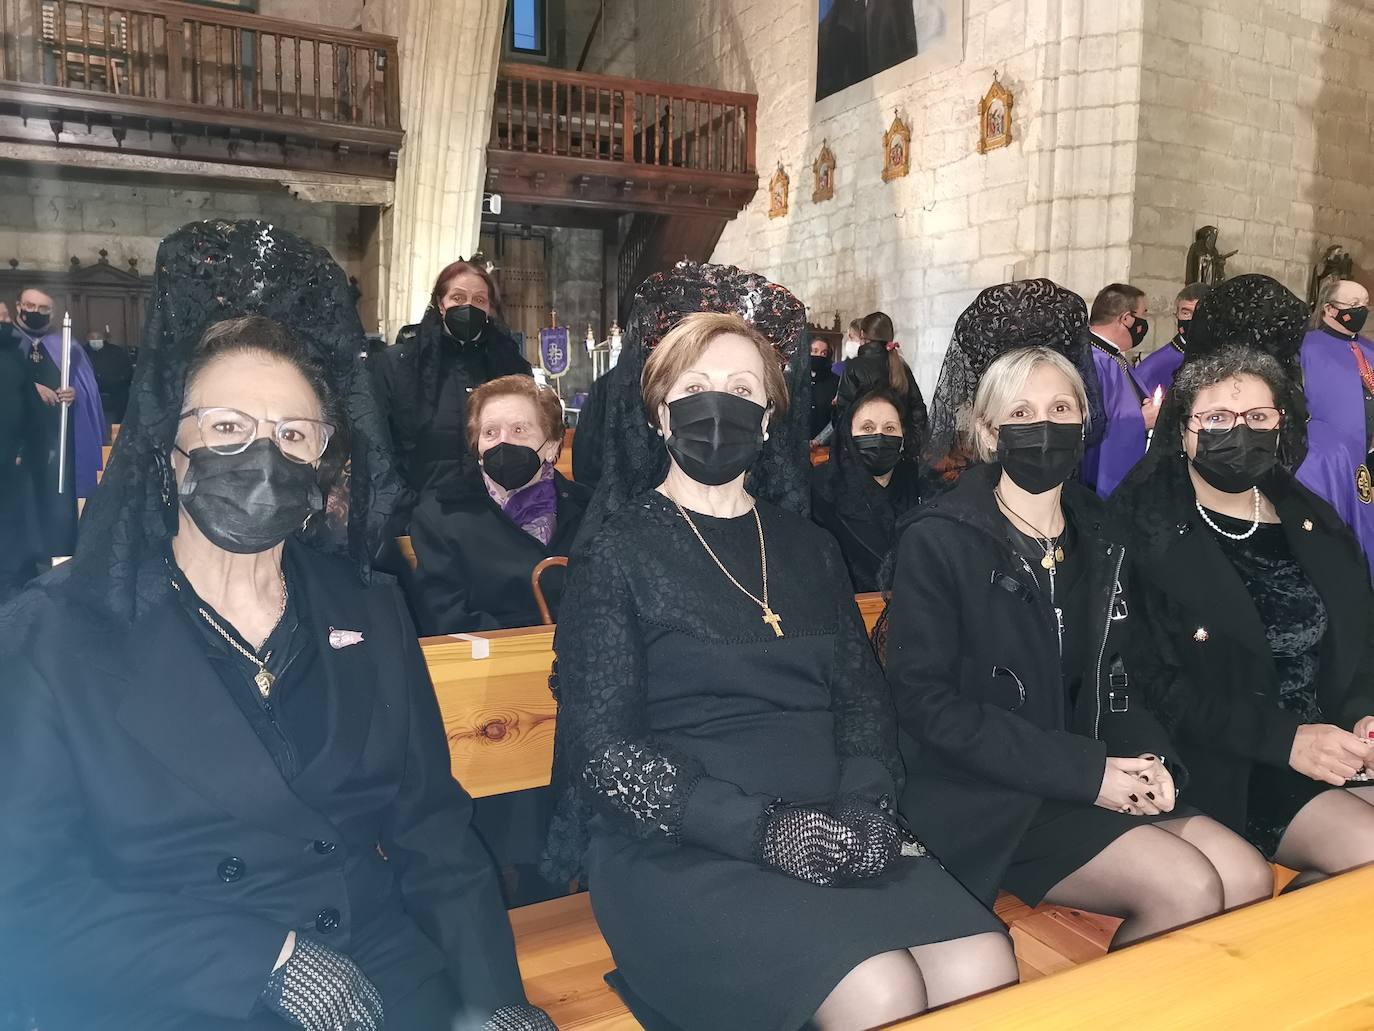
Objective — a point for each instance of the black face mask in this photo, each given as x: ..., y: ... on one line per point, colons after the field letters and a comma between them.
x: 511, y: 465
x: 465, y: 322
x: 1183, y: 325
x: 715, y: 436
x: 35, y: 321
x: 1039, y: 456
x: 8, y: 334
x: 819, y: 363
x: 1352, y: 320
x: 249, y: 502
x: 1236, y: 460
x: 879, y: 452
x: 1138, y: 330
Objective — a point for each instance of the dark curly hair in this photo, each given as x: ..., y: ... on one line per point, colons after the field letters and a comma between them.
x: 1239, y: 360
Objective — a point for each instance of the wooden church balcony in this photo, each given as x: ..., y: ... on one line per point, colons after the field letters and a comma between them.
x: 577, y: 140
x: 172, y: 79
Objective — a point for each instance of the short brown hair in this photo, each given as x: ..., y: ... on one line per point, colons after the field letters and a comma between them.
x: 1115, y: 300
x: 684, y: 344
x: 546, y: 404
x: 455, y: 269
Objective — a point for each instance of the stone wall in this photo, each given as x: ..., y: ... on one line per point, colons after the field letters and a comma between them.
x: 1254, y: 118
x: 47, y: 217
x: 1057, y: 202
x: 613, y: 46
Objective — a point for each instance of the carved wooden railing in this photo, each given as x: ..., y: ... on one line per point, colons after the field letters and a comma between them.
x: 160, y: 58
x: 624, y: 121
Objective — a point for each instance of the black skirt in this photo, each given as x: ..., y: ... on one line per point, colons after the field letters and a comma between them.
x: 1275, y: 797
x: 1062, y: 838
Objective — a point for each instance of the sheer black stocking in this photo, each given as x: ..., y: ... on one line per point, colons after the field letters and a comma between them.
x: 1245, y: 876
x: 957, y: 969
x: 1332, y: 833
x: 1151, y: 878
x: 901, y: 984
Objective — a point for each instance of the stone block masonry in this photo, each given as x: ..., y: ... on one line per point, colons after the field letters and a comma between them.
x: 1057, y: 202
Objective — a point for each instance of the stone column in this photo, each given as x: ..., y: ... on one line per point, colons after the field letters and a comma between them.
x: 449, y: 52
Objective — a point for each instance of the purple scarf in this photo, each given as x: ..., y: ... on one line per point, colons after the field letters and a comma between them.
x: 534, y: 508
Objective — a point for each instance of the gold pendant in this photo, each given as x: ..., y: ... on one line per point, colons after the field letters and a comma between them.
x: 1364, y: 485
x: 264, y: 680
x: 1051, y: 559
x: 774, y: 620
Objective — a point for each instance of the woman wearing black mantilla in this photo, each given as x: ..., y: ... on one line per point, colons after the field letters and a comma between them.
x: 227, y: 792
x: 726, y: 757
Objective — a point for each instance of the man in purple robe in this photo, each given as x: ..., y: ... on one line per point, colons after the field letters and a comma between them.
x: 1336, y: 367
x: 1119, y: 321
x: 1156, y: 370
x: 41, y: 344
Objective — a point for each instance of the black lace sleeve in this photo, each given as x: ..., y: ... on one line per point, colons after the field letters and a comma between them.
x: 605, y: 759
x: 865, y: 721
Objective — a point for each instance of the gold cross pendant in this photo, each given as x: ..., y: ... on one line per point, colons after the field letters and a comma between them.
x: 774, y: 620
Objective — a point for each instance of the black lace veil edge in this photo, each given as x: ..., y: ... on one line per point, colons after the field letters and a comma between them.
x: 1003, y: 318
x: 207, y: 272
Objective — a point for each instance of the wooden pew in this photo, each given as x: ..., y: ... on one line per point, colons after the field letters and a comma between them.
x: 1299, y: 961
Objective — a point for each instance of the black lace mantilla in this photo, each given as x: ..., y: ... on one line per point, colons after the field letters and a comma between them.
x: 635, y: 459
x: 207, y: 272
x: 1029, y: 312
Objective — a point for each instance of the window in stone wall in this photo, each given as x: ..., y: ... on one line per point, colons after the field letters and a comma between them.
x: 527, y: 27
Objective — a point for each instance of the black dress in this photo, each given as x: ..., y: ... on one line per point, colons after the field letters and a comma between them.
x: 659, y: 652
x: 1294, y: 618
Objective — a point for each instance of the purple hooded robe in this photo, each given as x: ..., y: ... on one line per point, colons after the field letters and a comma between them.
x: 1338, y: 437
x: 1158, y: 369
x: 87, y: 414
x: 1107, y: 462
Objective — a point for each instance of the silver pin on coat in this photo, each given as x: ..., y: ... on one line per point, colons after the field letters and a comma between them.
x: 340, y: 639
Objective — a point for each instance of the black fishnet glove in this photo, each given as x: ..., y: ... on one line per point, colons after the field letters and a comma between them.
x: 880, y: 837
x: 809, y: 844
x: 318, y: 989
x: 520, y: 1018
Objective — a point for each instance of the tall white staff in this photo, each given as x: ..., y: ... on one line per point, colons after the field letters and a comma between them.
x: 66, y: 405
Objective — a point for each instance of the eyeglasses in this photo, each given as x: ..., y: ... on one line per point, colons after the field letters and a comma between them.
x: 1219, y: 420
x: 227, y: 431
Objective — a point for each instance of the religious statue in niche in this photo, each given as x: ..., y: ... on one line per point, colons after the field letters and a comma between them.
x: 994, y: 117
x: 777, y: 193
x: 896, y: 149
x: 1206, y: 264
x: 824, y: 169
x: 1336, y: 264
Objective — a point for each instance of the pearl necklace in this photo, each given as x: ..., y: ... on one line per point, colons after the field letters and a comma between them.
x: 1233, y: 536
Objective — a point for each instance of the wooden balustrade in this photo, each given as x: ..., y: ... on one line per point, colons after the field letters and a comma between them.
x: 148, y: 61
x: 630, y: 121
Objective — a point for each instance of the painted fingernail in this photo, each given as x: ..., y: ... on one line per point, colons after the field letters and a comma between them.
x: 1150, y: 795
x: 1134, y: 799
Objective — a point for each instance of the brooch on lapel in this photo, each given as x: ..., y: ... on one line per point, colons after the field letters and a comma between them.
x: 340, y: 639
x: 1200, y: 635
x: 1307, y: 525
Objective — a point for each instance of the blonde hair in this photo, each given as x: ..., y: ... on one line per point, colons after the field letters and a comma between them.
x: 1004, y: 381
x: 685, y: 343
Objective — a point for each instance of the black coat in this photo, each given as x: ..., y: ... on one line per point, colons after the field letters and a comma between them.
x: 860, y: 513
x: 154, y: 859
x: 869, y: 370
x: 973, y: 662
x: 22, y: 451
x: 823, y: 387
x: 1216, y: 685
x: 474, y: 564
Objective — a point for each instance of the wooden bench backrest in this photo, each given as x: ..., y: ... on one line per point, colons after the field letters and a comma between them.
x: 497, y: 711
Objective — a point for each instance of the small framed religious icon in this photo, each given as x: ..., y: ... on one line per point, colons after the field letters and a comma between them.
x: 824, y: 169
x: 896, y: 149
x: 777, y: 193
x: 994, y: 117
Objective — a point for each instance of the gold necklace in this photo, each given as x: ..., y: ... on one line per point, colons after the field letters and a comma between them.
x: 262, y: 678
x: 769, y: 616
x: 1054, y: 552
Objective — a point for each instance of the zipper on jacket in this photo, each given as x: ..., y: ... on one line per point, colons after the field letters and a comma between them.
x: 1106, y: 631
